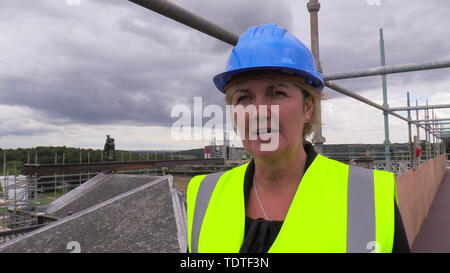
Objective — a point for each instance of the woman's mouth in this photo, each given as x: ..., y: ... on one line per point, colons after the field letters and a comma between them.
x: 263, y: 134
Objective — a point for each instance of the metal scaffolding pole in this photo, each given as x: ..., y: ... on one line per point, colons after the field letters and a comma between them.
x: 437, y: 130
x: 342, y: 90
x: 385, y: 105
x: 433, y: 120
x: 383, y: 70
x: 336, y: 87
x: 433, y: 127
x: 411, y: 147
x: 438, y: 141
x: 188, y: 18
x: 313, y: 8
x: 417, y: 126
x: 439, y: 106
x: 440, y: 129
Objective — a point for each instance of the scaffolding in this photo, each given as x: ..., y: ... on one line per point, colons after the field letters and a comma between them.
x: 17, y: 202
x: 181, y: 15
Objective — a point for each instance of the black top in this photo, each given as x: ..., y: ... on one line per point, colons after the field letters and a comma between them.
x: 260, y: 234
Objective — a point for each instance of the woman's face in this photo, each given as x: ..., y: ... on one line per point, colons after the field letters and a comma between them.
x: 262, y: 95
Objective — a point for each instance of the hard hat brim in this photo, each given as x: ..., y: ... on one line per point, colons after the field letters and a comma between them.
x: 313, y: 78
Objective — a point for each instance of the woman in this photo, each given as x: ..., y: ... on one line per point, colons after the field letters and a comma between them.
x: 289, y: 198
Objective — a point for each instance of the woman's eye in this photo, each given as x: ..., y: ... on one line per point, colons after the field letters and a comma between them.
x: 242, y: 99
x: 280, y: 93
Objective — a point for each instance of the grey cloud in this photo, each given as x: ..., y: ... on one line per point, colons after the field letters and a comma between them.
x: 24, y: 122
x: 114, y: 62
x: 237, y: 15
x: 14, y: 131
x: 129, y: 68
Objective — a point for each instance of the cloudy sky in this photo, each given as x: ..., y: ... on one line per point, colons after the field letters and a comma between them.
x: 73, y: 71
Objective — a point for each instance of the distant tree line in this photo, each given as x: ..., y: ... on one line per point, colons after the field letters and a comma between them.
x: 16, y: 158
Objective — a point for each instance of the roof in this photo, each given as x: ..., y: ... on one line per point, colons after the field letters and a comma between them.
x: 98, y: 190
x: 145, y: 215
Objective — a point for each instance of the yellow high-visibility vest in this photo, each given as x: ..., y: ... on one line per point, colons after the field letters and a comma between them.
x: 337, y: 208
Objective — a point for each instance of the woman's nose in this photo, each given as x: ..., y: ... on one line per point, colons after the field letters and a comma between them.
x: 263, y: 108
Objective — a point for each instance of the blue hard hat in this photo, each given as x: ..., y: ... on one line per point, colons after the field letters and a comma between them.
x: 270, y: 47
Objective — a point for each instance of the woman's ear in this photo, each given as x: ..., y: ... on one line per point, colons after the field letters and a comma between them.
x: 308, y: 107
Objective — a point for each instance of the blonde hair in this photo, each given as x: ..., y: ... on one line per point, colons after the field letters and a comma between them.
x: 311, y: 96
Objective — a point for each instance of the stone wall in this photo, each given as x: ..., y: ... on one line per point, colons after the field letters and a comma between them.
x: 416, y: 189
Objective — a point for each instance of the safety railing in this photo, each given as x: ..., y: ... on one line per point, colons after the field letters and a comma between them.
x: 396, y: 166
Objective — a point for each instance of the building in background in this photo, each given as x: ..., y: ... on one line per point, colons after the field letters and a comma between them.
x: 226, y: 151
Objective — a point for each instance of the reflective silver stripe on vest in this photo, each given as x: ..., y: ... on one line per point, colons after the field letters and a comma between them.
x: 201, y: 204
x: 360, y: 210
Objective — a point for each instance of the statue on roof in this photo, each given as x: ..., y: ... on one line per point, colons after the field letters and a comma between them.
x: 109, y: 152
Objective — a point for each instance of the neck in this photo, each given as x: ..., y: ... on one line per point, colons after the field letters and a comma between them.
x: 282, y: 173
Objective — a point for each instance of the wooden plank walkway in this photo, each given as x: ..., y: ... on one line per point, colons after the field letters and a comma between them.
x: 434, y: 235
